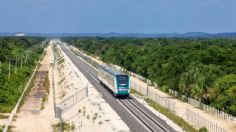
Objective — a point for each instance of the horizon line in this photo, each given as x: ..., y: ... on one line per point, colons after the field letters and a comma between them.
x: 114, y: 32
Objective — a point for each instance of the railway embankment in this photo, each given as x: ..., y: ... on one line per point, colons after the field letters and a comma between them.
x: 82, y: 107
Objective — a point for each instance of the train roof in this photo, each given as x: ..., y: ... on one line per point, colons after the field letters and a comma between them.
x: 112, y: 71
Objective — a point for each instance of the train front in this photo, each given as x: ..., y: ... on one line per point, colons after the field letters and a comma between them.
x: 123, y: 85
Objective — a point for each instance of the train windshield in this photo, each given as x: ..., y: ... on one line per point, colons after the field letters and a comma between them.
x: 123, y: 80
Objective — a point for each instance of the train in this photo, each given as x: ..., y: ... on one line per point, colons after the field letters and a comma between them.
x: 118, y: 82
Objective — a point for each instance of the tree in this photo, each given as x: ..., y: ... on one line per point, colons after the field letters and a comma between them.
x: 224, y: 96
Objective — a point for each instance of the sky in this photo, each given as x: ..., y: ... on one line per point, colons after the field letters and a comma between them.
x: 121, y: 16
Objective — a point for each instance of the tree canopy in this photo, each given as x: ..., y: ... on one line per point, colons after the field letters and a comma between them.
x: 194, y: 67
x: 20, y: 53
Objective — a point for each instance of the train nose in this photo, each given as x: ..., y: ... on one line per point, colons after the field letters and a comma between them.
x: 123, y: 92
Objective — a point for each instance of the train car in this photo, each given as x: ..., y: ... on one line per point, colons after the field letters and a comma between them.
x: 115, y: 80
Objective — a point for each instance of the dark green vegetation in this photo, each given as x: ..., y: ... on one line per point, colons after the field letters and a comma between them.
x: 203, y: 129
x: 19, y: 51
x: 204, y: 69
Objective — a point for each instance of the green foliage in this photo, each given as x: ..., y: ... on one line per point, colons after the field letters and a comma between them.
x: 203, y: 129
x: 27, y: 50
x: 225, y: 94
x: 192, y: 67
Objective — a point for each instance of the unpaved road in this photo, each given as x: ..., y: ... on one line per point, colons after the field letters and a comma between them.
x: 31, y: 116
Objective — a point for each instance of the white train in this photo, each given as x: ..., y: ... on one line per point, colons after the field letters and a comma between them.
x: 115, y: 80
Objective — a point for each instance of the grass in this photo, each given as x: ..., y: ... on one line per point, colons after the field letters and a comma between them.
x: 95, y: 116
x: 9, y: 128
x: 203, y: 129
x: 100, y: 123
x: 1, y: 128
x: 62, y: 80
x: 61, y: 61
x: 47, y: 84
x: 132, y: 91
x: 47, y: 88
x: 66, y: 127
x: 179, y: 121
x: 3, y: 116
x: 62, y: 95
x: 79, y: 111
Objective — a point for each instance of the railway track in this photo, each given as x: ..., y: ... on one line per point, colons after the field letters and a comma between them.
x: 150, y: 123
x: 133, y: 113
